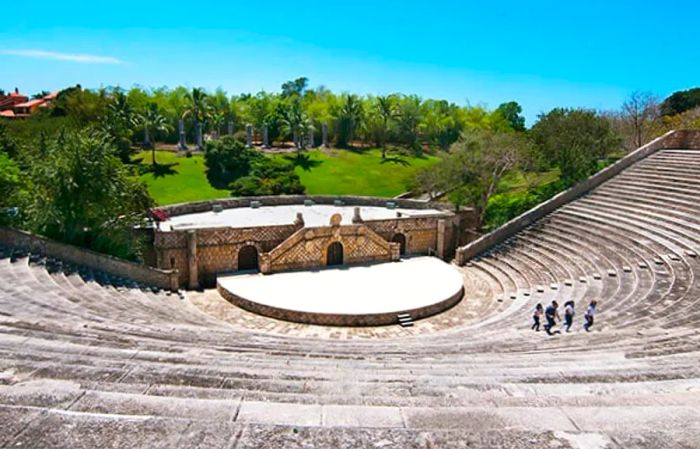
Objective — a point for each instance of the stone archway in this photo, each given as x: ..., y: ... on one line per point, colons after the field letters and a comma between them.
x: 401, y: 240
x: 334, y: 254
x: 248, y: 258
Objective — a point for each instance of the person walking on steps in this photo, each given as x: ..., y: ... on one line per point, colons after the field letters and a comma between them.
x: 536, y: 316
x: 590, y: 313
x: 551, y: 315
x: 568, y: 315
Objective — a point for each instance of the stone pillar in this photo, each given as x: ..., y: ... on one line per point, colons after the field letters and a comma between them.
x: 192, y: 260
x: 198, y: 135
x: 146, y: 138
x: 229, y: 127
x: 395, y: 251
x: 441, y: 239
x: 324, y: 135
x: 311, y: 137
x: 265, y: 266
x: 295, y: 138
x: 249, y: 135
x: 356, y: 218
x: 181, y: 131
x: 266, y: 140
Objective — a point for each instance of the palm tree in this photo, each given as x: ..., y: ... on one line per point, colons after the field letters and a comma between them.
x: 296, y: 123
x: 218, y: 119
x: 349, y: 117
x: 385, y: 109
x: 197, y: 106
x: 151, y: 121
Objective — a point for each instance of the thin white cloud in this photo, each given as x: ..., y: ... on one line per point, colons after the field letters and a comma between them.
x: 72, y: 57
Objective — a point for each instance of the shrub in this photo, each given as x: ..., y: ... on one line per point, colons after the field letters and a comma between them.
x: 228, y: 159
x: 268, y: 177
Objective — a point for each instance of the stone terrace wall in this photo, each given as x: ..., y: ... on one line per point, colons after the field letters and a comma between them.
x: 227, y: 203
x: 13, y: 238
x: 681, y: 139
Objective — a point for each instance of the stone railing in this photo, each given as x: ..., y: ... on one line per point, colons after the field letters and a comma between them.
x: 21, y: 240
x: 681, y: 139
x: 283, y: 200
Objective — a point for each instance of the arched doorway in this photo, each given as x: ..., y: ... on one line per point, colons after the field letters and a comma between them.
x: 248, y: 258
x: 401, y: 240
x: 335, y: 254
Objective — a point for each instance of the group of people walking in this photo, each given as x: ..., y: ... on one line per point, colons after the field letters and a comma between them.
x: 551, y: 316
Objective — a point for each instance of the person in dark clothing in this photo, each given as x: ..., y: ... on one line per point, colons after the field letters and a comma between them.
x: 536, y: 316
x: 590, y: 313
x: 568, y: 315
x: 551, y: 314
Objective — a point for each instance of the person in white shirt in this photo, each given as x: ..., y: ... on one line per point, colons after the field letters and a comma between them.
x: 568, y: 315
x: 590, y: 313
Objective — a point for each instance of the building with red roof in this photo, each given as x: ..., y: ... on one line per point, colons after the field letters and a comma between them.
x: 16, y: 105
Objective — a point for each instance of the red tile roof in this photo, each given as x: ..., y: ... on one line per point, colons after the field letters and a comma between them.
x: 30, y: 103
x: 8, y: 113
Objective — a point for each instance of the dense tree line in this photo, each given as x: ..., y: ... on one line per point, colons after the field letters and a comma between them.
x: 67, y: 171
x: 140, y: 116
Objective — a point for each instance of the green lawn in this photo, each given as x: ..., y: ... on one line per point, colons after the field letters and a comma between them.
x: 515, y: 182
x: 342, y: 172
x: 333, y: 172
x: 179, y: 179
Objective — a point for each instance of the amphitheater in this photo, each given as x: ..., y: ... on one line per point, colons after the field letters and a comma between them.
x: 91, y: 359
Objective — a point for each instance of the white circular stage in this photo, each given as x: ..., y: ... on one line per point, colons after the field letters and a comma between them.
x: 365, y: 295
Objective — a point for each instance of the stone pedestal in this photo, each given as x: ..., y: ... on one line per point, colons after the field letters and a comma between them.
x: 356, y: 218
x: 182, y: 145
x: 324, y: 135
x: 299, y: 221
x: 266, y: 139
x: 198, y: 136
x: 311, y: 138
x: 249, y: 135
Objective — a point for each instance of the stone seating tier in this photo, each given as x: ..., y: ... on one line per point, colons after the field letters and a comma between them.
x: 87, y: 358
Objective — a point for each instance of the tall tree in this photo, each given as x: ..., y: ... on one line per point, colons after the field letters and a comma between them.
x: 152, y: 122
x: 348, y: 119
x: 197, y: 107
x: 639, y: 112
x: 512, y: 111
x: 84, y: 195
x: 295, y: 88
x: 681, y: 101
x: 471, y: 171
x: 408, y: 119
x: 574, y: 140
x: 296, y: 123
x: 385, y: 110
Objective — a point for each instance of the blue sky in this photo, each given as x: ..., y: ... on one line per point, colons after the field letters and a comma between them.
x: 541, y: 54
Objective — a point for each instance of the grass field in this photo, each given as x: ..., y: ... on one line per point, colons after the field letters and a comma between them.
x: 332, y: 172
x: 178, y: 179
x: 341, y: 172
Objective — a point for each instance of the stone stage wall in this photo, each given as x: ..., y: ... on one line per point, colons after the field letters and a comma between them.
x: 308, y: 248
x: 199, y: 255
